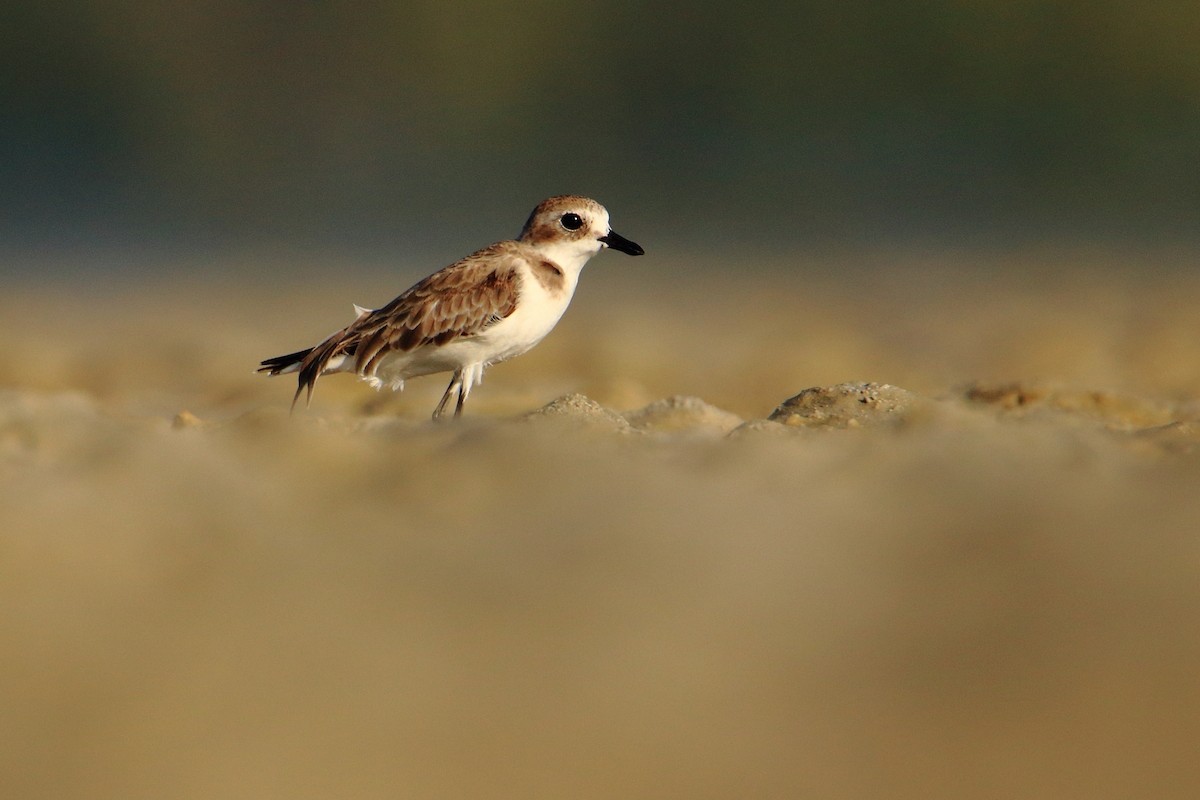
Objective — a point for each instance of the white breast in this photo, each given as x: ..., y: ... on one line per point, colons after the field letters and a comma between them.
x: 536, y: 314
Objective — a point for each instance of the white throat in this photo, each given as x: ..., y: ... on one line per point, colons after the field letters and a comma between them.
x: 571, y: 256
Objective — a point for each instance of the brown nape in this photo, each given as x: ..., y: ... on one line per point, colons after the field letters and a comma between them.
x: 546, y: 232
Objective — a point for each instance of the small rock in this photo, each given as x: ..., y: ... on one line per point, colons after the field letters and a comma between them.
x: 185, y: 419
x: 847, y: 405
x: 582, y: 410
x: 1007, y: 396
x: 681, y: 413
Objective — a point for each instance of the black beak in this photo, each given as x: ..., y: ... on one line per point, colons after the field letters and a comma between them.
x: 618, y: 242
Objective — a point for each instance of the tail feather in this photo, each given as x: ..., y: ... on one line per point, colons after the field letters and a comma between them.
x: 300, y: 362
x: 281, y: 364
x: 312, y: 362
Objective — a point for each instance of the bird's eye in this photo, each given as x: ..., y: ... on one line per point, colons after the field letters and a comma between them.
x: 571, y: 222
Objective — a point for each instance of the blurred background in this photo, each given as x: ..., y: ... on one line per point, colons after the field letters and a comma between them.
x: 204, y: 597
x: 379, y: 127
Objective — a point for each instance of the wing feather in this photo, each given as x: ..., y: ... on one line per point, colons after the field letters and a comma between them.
x: 460, y: 301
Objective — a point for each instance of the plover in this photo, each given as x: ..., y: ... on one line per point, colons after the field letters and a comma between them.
x: 493, y: 305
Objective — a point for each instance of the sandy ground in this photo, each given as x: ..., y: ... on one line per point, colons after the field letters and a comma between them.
x: 354, y: 602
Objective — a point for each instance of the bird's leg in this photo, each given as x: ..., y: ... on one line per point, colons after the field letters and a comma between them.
x: 462, y: 398
x: 471, y: 375
x: 455, y: 384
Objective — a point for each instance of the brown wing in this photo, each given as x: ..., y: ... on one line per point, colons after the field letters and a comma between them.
x: 459, y: 301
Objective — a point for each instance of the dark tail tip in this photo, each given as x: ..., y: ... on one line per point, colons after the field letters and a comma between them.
x: 276, y: 365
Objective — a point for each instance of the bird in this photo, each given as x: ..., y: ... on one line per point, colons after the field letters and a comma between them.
x: 491, y: 306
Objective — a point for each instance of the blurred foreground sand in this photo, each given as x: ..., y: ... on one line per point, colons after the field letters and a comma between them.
x: 354, y: 602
